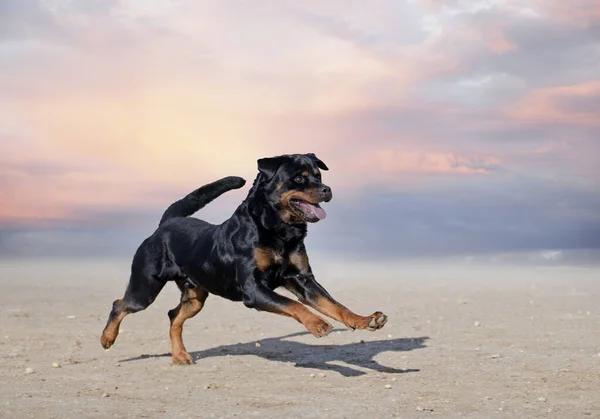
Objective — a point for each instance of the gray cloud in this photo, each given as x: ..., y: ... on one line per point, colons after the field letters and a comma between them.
x: 402, y: 15
x: 25, y: 20
x: 477, y: 218
x: 485, y: 217
x: 547, y: 53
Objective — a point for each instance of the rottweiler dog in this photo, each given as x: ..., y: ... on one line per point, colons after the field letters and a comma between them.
x: 258, y: 249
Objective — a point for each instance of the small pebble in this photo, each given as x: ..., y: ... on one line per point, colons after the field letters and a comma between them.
x: 419, y: 408
x: 495, y: 356
x: 477, y: 324
x: 322, y: 375
x: 390, y: 336
x: 28, y: 370
x: 55, y: 365
x: 312, y: 376
x: 105, y: 395
x: 71, y: 317
x: 541, y: 399
x: 258, y: 344
x: 388, y: 386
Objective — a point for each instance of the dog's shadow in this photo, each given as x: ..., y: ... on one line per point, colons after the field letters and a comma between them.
x: 302, y: 355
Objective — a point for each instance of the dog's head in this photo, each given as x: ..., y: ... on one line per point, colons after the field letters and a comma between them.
x: 292, y: 184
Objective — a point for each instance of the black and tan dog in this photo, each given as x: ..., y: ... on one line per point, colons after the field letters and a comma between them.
x: 257, y: 250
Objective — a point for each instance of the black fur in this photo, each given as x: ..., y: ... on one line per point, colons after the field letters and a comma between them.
x: 196, y: 200
x: 225, y: 259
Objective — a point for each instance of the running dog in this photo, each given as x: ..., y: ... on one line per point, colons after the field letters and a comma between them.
x: 258, y: 249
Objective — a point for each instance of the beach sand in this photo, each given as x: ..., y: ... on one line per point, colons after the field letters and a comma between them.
x: 468, y: 342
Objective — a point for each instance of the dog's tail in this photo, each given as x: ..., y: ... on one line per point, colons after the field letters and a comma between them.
x: 196, y: 200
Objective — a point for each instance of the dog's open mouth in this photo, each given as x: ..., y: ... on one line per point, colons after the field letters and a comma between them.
x: 309, y: 211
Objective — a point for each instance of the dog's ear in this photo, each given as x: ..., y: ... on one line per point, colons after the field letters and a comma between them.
x: 268, y: 166
x: 318, y: 161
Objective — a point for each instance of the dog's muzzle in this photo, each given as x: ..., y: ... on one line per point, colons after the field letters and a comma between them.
x: 325, y: 193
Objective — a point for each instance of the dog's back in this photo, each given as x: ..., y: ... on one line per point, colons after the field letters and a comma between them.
x: 171, y: 245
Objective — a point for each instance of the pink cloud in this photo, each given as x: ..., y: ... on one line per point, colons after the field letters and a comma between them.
x: 403, y: 169
x: 545, y: 105
x: 553, y: 146
x: 436, y: 5
x: 497, y: 41
x: 32, y: 196
x: 394, y: 161
x: 578, y: 13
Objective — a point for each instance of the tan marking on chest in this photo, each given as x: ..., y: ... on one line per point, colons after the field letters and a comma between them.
x: 305, y: 173
x: 299, y: 260
x: 266, y: 257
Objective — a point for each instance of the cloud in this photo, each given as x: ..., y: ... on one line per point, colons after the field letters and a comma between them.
x: 579, y: 104
x: 395, y: 161
x: 578, y: 13
x: 121, y: 107
x: 515, y: 216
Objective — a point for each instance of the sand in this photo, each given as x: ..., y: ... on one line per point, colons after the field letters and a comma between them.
x: 468, y: 342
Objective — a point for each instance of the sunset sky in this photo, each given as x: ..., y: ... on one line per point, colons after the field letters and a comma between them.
x: 449, y: 127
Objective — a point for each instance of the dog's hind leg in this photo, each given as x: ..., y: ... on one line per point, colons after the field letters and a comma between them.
x: 192, y: 301
x: 141, y: 291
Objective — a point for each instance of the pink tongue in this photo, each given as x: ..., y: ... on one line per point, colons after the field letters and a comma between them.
x: 319, y: 212
x: 314, y: 210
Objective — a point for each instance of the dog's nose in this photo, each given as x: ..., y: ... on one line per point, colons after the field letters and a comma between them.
x: 326, y: 193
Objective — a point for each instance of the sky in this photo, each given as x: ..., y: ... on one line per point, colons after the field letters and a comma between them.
x: 466, y: 129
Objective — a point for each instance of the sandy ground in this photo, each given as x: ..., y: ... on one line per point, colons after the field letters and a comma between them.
x: 470, y: 343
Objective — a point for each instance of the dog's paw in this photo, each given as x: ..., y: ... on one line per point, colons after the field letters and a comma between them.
x: 107, y: 339
x: 182, y: 358
x: 376, y: 321
x: 319, y: 327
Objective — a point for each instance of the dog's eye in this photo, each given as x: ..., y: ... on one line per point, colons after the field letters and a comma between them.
x: 299, y: 179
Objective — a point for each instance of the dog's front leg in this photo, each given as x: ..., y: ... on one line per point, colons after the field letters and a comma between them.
x: 259, y: 297
x: 311, y: 293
